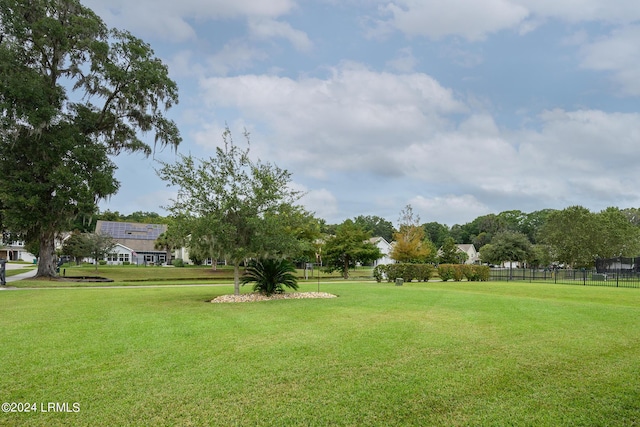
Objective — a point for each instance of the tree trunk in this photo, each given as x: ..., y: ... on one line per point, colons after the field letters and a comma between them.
x: 236, y: 277
x: 47, y: 262
x: 345, y: 270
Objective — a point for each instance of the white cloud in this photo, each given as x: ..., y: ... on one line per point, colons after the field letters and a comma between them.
x: 449, y: 209
x: 405, y: 62
x: 169, y: 19
x: 236, y: 55
x: 265, y: 28
x: 618, y: 53
x: 473, y: 20
x: 353, y: 119
x: 322, y: 202
x: 584, y: 10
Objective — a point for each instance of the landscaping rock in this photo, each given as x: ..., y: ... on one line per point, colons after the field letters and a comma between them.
x: 259, y: 297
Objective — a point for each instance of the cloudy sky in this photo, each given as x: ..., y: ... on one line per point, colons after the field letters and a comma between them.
x: 458, y: 107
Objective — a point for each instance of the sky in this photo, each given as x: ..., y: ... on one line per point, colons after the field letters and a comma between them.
x: 459, y: 108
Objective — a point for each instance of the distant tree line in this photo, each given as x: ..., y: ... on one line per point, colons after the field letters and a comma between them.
x: 573, y: 236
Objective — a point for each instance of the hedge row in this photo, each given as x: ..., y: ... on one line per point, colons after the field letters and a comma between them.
x: 457, y: 272
x: 423, y: 272
x: 408, y: 272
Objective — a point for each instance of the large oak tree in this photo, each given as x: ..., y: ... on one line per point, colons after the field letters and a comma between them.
x: 73, y: 93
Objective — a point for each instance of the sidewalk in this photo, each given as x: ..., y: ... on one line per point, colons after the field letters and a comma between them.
x: 20, y: 276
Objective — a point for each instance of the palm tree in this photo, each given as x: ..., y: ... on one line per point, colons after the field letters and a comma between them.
x: 270, y: 276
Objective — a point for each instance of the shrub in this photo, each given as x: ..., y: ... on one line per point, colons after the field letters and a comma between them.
x: 477, y: 273
x: 126, y: 263
x: 424, y: 272
x: 408, y: 272
x: 445, y: 271
x: 380, y: 272
x: 178, y: 262
x: 270, y: 276
x: 102, y: 262
x: 458, y: 272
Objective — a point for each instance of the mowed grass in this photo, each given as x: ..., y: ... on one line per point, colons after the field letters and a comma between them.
x: 481, y: 354
x: 158, y: 275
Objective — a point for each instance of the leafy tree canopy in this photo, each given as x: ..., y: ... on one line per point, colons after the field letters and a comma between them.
x: 377, y: 226
x: 72, y: 93
x: 411, y: 244
x: 234, y: 207
x: 349, y: 246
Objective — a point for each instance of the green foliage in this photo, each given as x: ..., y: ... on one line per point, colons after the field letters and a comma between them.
x: 450, y: 253
x: 349, y: 246
x: 436, y: 233
x: 451, y: 271
x: 573, y: 235
x: 377, y: 226
x: 380, y: 272
x: 99, y: 245
x: 408, y: 272
x: 445, y: 272
x: 178, y: 262
x: 76, y: 246
x: 507, y: 246
x: 476, y: 273
x: 270, y: 276
x: 233, y: 207
x: 540, y: 256
x: 72, y: 94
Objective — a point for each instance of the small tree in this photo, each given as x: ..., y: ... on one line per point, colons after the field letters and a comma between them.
x: 349, y: 246
x: 450, y: 254
x: 270, y: 276
x: 77, y: 247
x: 411, y: 243
x: 233, y: 205
x: 99, y: 245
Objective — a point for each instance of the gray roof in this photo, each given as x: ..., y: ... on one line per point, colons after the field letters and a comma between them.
x: 137, y: 236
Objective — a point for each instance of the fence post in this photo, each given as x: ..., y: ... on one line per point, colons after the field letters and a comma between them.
x: 584, y: 277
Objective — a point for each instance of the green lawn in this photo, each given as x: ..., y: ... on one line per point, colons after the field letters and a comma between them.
x: 478, y: 354
x: 158, y: 275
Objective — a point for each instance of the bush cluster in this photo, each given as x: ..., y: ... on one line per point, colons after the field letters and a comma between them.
x: 423, y: 272
x: 408, y: 272
x: 178, y: 262
x: 457, y: 272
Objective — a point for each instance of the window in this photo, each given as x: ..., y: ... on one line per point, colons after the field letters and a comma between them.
x: 123, y: 257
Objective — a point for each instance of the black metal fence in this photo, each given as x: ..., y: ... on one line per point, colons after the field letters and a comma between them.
x: 621, y: 277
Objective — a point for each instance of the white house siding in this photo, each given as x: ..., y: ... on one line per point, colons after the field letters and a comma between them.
x: 473, y: 257
x: 120, y: 254
x: 385, y: 249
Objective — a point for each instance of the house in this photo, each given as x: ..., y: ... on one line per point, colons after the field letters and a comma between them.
x: 385, y: 248
x: 135, y: 242
x: 15, y: 251
x: 473, y: 256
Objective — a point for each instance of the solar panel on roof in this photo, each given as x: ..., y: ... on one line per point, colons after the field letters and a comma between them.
x: 127, y: 230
